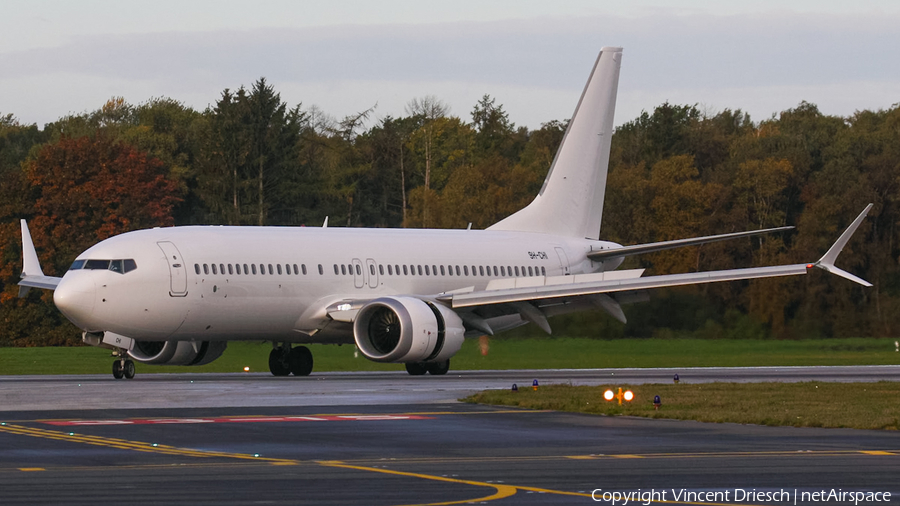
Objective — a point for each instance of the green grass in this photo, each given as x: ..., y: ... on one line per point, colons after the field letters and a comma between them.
x: 811, y: 404
x: 548, y: 353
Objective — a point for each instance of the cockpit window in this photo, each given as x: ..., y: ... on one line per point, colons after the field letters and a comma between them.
x: 97, y: 265
x: 120, y: 266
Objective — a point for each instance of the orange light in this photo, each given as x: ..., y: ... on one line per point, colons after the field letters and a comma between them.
x: 246, y: 369
x: 609, y: 395
x: 629, y: 395
x: 810, y: 266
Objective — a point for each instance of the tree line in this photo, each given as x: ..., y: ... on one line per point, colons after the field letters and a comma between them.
x: 252, y: 159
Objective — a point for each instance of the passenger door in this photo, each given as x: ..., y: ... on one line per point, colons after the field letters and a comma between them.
x: 177, y: 270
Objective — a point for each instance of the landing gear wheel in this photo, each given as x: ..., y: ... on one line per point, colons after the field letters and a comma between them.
x: 118, y: 372
x: 128, y: 369
x: 279, y: 362
x: 301, y: 361
x: 416, y: 368
x: 438, y: 368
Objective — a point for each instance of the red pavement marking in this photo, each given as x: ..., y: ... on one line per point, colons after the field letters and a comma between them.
x: 247, y: 419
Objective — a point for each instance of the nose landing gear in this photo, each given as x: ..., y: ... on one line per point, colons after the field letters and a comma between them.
x: 123, y: 367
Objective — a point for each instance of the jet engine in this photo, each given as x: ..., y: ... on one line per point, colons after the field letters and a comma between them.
x: 407, y: 329
x: 177, y: 352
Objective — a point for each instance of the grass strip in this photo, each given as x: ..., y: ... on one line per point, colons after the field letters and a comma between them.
x: 808, y: 404
x: 547, y: 353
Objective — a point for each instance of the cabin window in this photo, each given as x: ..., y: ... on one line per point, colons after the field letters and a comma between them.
x: 230, y: 270
x: 502, y: 271
x: 303, y: 266
x: 530, y: 272
x: 278, y: 266
x: 495, y: 271
x: 434, y: 270
x: 380, y: 270
x: 321, y: 270
x: 196, y: 266
x: 358, y: 270
x: 371, y: 269
x: 253, y: 269
x: 343, y: 269
x: 420, y: 270
x: 543, y: 272
x: 443, y: 272
x: 397, y: 269
x: 427, y: 271
x: 271, y: 270
x: 335, y: 269
x: 450, y: 270
x: 517, y: 271
x: 481, y: 270
x: 466, y: 270
x: 404, y: 271
x: 390, y: 270
x: 206, y: 269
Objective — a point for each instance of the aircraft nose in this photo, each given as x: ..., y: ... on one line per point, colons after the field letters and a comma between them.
x: 74, y: 297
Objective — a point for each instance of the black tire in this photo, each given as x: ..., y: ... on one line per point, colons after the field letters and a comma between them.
x: 301, y: 361
x: 278, y: 362
x: 128, y: 370
x: 438, y: 368
x: 118, y: 373
x: 416, y: 368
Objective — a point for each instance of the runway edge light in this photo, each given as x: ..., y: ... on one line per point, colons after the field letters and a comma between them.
x: 515, y: 388
x: 675, y: 379
x: 657, y: 402
x: 534, y: 384
x: 609, y: 395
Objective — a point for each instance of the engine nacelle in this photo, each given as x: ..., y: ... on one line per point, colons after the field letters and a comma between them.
x: 177, y: 352
x: 407, y: 329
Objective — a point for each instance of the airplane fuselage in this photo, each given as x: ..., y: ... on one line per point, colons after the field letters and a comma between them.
x: 209, y: 283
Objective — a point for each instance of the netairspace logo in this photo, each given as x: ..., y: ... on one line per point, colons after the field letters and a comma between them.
x: 738, y: 495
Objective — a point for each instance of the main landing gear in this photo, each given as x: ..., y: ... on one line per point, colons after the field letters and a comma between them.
x: 284, y: 360
x: 433, y: 368
x: 123, y: 367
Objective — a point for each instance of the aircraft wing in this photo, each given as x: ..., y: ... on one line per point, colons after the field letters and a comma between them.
x: 32, y: 275
x: 562, y: 287
x: 660, y: 246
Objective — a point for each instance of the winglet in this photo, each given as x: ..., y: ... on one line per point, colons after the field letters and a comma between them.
x: 31, y: 265
x: 827, y: 261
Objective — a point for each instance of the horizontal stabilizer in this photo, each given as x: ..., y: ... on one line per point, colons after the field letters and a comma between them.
x: 661, y: 246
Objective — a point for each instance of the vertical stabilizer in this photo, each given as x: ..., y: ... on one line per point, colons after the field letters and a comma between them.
x: 571, y: 200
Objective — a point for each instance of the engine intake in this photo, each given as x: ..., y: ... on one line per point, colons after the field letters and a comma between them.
x: 407, y: 329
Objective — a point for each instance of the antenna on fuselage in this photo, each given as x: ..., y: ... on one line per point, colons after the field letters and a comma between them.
x: 325, y: 225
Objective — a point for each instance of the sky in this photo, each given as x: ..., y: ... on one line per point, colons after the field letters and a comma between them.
x: 60, y: 57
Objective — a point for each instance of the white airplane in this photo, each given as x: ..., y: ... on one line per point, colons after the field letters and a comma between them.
x: 177, y: 295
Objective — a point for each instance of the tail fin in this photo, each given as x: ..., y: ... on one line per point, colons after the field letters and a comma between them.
x: 571, y: 200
